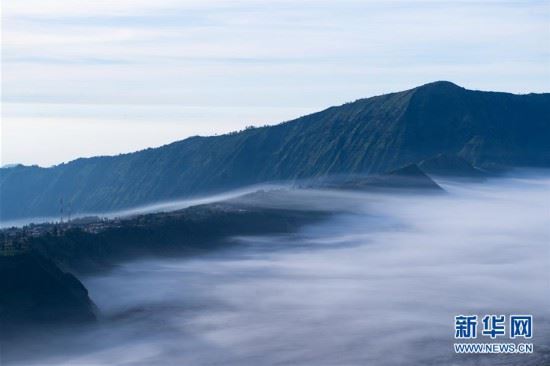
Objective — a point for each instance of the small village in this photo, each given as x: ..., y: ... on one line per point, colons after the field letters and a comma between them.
x: 15, y: 240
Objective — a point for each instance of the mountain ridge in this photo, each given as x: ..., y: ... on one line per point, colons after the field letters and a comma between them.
x: 367, y: 136
x: 443, y: 83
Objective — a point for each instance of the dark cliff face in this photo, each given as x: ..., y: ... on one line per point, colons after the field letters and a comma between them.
x: 367, y: 136
x: 33, y: 290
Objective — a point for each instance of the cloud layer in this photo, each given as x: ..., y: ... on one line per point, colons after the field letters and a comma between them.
x: 377, y: 285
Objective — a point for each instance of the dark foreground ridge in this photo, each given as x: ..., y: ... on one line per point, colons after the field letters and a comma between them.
x: 369, y: 136
x: 33, y: 290
x: 95, y: 244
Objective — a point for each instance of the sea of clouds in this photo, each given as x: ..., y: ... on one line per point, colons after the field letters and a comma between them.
x: 378, y: 283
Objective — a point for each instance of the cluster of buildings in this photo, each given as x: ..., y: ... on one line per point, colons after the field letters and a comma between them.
x: 15, y: 240
x: 12, y: 243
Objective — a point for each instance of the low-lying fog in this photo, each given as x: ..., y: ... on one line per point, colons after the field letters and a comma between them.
x: 165, y: 206
x: 379, y: 283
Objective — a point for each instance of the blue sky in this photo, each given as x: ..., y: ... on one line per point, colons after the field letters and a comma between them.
x: 82, y: 78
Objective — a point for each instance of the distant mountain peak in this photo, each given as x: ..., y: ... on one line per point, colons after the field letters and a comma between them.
x: 440, y: 84
x: 445, y: 164
x: 409, y: 177
x: 410, y: 170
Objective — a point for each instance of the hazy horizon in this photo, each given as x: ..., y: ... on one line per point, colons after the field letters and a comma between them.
x: 104, y: 77
x: 234, y: 130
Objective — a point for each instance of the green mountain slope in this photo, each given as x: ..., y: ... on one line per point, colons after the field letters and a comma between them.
x: 367, y: 136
